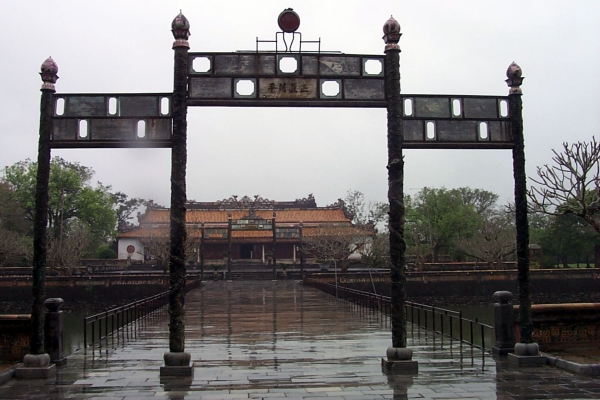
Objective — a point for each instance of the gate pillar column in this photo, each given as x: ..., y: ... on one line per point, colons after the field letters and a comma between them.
x: 36, y: 364
x: 177, y: 361
x: 526, y: 351
x: 398, y: 357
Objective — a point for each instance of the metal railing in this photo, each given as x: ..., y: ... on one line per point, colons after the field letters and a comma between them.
x: 121, y: 323
x: 445, y: 322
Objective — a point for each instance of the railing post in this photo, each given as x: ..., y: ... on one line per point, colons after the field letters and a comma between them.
x: 433, y: 321
x: 460, y: 328
x: 471, y: 329
x: 112, y: 328
x: 85, y: 335
x: 442, y: 326
x: 106, y: 327
x: 482, y: 339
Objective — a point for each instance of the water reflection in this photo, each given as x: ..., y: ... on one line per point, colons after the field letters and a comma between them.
x: 400, y: 383
x: 73, y: 331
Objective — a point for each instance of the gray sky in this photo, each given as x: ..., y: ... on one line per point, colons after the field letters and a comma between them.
x: 448, y: 47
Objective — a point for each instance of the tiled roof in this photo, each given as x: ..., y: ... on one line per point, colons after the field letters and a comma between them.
x: 158, y: 216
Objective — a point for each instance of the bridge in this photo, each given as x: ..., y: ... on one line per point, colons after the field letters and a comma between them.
x: 270, y: 340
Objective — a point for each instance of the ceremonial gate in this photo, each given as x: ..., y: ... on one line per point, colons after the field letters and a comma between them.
x: 286, y: 76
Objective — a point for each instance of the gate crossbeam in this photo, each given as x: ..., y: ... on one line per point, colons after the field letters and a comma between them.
x: 112, y: 120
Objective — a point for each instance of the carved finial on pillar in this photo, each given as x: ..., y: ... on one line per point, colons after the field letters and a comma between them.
x: 49, y: 74
x: 515, y: 79
x: 181, y: 31
x: 391, y: 34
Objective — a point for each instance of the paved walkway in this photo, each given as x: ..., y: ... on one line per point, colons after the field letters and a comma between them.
x: 279, y: 340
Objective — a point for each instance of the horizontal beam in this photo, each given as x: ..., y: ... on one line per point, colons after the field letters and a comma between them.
x: 288, y: 103
x: 458, y: 145
x: 121, y: 144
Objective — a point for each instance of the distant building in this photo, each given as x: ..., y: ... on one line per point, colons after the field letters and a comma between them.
x: 250, y: 227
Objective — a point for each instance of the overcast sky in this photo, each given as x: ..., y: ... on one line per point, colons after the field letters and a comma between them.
x: 448, y: 47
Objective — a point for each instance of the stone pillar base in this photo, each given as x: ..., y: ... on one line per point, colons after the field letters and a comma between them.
x: 527, y: 361
x: 399, y: 361
x: 35, y: 366
x: 399, y: 367
x: 177, y: 365
x: 527, y: 354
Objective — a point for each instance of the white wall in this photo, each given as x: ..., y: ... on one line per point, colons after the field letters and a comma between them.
x: 138, y: 254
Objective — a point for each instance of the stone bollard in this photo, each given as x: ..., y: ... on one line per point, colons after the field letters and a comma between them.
x: 54, y: 331
x: 504, y: 323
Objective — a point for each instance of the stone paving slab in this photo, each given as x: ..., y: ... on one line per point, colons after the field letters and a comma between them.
x: 279, y: 340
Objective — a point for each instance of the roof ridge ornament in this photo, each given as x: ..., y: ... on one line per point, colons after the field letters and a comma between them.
x: 246, y: 202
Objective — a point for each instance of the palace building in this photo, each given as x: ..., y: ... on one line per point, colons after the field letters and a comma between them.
x: 252, y: 230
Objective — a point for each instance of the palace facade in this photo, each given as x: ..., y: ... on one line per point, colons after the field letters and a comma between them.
x: 254, y: 230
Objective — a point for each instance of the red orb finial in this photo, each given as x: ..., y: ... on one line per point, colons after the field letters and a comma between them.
x: 288, y: 20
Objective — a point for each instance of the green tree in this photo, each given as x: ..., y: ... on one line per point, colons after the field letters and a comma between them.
x: 439, y: 216
x: 567, y: 239
x: 436, y: 218
x: 15, y: 244
x: 74, y: 205
x: 125, y: 206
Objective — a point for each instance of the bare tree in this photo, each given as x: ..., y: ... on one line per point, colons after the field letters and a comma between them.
x: 365, y: 213
x: 14, y: 248
x: 336, y: 244
x: 418, y: 243
x: 64, y: 252
x: 158, y: 245
x: 376, y: 251
x: 493, y: 243
x: 570, y: 186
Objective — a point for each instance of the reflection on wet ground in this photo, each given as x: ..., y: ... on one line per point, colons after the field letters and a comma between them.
x: 280, y: 340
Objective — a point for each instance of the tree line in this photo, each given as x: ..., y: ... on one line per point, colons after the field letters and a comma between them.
x: 466, y: 224
x: 461, y: 224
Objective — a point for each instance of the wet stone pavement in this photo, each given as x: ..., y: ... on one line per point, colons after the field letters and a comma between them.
x: 280, y: 340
